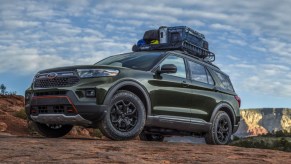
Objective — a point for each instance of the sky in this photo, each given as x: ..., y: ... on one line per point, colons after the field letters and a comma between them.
x: 251, y: 39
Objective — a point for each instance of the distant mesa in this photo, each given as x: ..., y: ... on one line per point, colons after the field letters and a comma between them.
x: 264, y: 120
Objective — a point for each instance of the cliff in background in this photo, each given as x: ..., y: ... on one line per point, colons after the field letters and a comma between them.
x: 264, y: 120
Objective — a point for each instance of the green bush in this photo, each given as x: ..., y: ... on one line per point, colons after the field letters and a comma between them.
x: 21, y: 114
x: 31, y: 129
x: 275, y: 143
x: 235, y: 138
x: 96, y: 133
x: 280, y: 133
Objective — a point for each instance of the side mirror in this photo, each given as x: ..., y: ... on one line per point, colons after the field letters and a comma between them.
x: 168, y: 68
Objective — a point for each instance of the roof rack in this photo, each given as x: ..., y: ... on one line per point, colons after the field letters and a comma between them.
x: 176, y: 38
x: 192, y: 49
x: 208, y: 62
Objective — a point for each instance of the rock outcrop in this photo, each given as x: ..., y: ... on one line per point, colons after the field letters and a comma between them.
x: 286, y: 120
x: 264, y: 120
x: 3, y: 126
x: 11, y: 123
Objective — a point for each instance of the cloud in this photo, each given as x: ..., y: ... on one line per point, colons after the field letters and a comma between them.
x: 18, y: 24
x: 252, y: 43
x: 237, y: 42
x: 267, y: 79
x: 232, y: 57
x: 223, y: 27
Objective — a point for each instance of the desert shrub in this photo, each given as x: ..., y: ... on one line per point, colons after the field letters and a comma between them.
x: 21, y: 114
x: 280, y: 133
x: 3, y: 91
x: 235, y: 138
x: 96, y: 133
x: 31, y: 129
x: 283, y: 144
x: 275, y: 143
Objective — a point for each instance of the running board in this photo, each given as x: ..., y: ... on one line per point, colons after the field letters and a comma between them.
x: 178, y: 123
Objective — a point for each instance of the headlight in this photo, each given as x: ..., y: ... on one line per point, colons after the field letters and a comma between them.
x: 88, y: 73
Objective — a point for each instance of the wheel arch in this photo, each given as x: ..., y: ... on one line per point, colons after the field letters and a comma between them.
x: 226, y: 108
x: 134, y: 87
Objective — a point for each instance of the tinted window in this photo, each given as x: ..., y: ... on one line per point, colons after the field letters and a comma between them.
x: 139, y: 60
x: 226, y: 84
x: 199, y: 73
x: 178, y: 62
x: 210, y: 79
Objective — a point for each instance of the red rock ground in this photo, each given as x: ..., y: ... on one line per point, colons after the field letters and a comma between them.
x: 21, y: 148
x: 81, y: 150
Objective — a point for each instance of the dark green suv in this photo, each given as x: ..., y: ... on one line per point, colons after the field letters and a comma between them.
x: 151, y: 94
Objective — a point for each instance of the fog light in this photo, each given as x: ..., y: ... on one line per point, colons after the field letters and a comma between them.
x: 70, y: 110
x: 90, y: 93
x: 33, y: 111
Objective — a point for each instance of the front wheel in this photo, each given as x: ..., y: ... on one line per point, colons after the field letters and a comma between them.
x: 220, y: 131
x: 52, y: 130
x: 125, y: 117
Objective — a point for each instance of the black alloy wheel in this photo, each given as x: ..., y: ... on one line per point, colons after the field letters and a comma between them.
x: 124, y: 115
x: 220, y: 130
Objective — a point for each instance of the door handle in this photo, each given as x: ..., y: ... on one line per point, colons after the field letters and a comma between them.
x: 215, y: 89
x: 185, y: 84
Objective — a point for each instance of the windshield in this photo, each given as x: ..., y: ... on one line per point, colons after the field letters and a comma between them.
x: 136, y: 60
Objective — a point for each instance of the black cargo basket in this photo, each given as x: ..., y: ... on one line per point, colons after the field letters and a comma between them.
x: 192, y: 49
x: 181, y: 38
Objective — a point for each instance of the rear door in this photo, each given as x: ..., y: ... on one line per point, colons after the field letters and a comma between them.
x: 204, y: 97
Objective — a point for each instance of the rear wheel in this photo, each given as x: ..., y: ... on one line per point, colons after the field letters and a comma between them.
x: 52, y: 130
x: 151, y: 137
x: 125, y: 117
x: 220, y: 131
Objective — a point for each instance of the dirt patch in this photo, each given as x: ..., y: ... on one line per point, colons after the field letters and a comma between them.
x: 11, y: 103
x: 81, y: 150
x: 15, y: 125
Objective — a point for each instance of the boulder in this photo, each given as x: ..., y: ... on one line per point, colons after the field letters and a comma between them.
x: 3, y: 127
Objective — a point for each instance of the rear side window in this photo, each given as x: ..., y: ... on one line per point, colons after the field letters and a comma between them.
x: 225, y: 81
x: 199, y: 73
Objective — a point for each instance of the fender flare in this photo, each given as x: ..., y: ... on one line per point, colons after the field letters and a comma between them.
x: 129, y: 82
x: 224, y: 106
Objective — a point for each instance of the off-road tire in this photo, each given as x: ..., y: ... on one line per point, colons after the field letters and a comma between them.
x: 109, y: 128
x: 47, y: 131
x: 150, y: 137
x: 213, y: 137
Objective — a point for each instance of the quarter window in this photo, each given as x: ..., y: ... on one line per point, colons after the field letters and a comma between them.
x: 225, y: 81
x: 199, y: 73
x: 179, y: 63
x: 210, y: 79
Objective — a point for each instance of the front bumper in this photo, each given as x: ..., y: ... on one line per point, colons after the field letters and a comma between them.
x: 64, y: 108
x: 60, y: 119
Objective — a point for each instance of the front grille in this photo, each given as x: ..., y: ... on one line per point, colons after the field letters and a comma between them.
x: 52, y: 109
x: 62, y: 79
x: 51, y: 93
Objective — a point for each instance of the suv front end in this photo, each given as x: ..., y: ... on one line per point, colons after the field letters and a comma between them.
x: 68, y: 95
